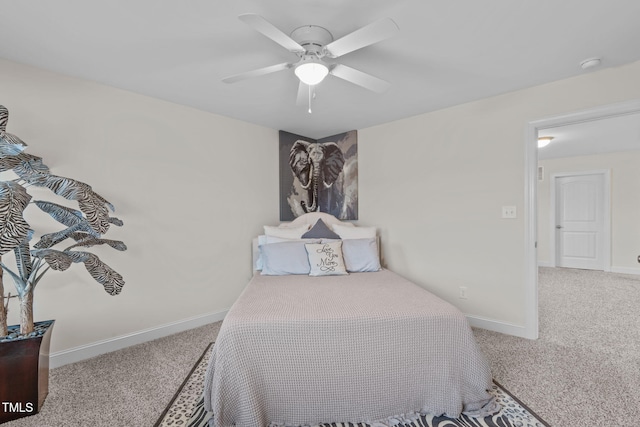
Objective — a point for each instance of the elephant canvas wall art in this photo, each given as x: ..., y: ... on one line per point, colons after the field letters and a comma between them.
x: 319, y: 175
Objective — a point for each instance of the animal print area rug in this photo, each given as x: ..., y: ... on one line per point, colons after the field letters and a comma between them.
x: 187, y: 408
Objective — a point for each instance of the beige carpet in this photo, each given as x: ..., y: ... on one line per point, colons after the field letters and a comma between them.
x: 126, y: 388
x: 583, y: 371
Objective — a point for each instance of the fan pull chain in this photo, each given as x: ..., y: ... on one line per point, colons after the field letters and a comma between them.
x: 309, y: 99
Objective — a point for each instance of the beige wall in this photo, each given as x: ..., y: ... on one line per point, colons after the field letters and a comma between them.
x: 625, y: 204
x: 436, y: 183
x: 192, y: 188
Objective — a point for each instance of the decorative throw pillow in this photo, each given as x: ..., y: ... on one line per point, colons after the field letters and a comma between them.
x: 361, y: 255
x: 354, y: 232
x: 325, y: 259
x: 320, y: 231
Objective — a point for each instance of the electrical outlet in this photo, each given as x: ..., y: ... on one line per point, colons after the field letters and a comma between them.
x: 463, y: 292
x: 509, y: 212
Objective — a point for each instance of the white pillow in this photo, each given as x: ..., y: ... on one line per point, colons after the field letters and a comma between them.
x: 286, y: 232
x: 325, y: 259
x: 361, y: 255
x: 354, y: 232
x: 267, y: 240
x: 279, y: 259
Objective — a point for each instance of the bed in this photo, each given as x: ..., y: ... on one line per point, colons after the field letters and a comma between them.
x: 364, y: 345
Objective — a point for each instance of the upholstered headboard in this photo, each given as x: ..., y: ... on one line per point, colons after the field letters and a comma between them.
x: 312, y: 217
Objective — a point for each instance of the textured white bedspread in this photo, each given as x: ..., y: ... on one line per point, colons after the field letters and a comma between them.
x: 299, y: 350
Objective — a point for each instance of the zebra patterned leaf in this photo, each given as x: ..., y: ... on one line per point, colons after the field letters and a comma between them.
x: 57, y: 260
x: 115, y: 221
x: 110, y: 279
x: 87, y: 243
x: 62, y: 214
x: 91, y: 203
x: 74, y: 190
x: 7, y: 163
x: 30, y: 168
x: 83, y: 235
x: 72, y: 218
x: 10, y: 145
x: 21, y: 163
x: 97, y: 214
x: 13, y: 227
x: 4, y: 117
x: 51, y: 239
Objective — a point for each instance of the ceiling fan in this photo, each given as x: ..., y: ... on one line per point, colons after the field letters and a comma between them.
x: 312, y: 44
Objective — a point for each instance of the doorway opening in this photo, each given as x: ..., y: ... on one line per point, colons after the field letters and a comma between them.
x: 532, y: 171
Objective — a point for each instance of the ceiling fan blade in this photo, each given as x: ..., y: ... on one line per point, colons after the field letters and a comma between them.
x: 359, y: 78
x: 259, y: 72
x: 263, y: 26
x: 365, y: 36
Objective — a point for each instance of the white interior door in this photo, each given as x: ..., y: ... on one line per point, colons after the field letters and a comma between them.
x: 580, y: 221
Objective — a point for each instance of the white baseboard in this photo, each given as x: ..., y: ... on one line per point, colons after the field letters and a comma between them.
x: 83, y: 352
x: 620, y: 270
x: 521, y: 331
x: 625, y: 270
x: 497, y: 326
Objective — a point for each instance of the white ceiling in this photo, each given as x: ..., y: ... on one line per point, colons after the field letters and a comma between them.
x: 612, y: 134
x: 448, y: 51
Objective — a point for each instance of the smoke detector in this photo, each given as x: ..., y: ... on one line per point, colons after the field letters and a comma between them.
x: 590, y: 63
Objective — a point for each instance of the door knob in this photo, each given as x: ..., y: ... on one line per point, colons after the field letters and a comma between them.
x: 558, y: 227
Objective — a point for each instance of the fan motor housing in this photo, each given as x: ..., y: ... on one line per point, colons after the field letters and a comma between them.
x: 312, y: 37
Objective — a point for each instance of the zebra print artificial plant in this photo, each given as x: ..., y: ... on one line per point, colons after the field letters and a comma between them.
x: 85, y: 227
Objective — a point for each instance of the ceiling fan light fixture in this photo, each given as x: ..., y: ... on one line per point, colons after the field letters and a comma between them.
x: 311, y: 71
x: 543, y: 141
